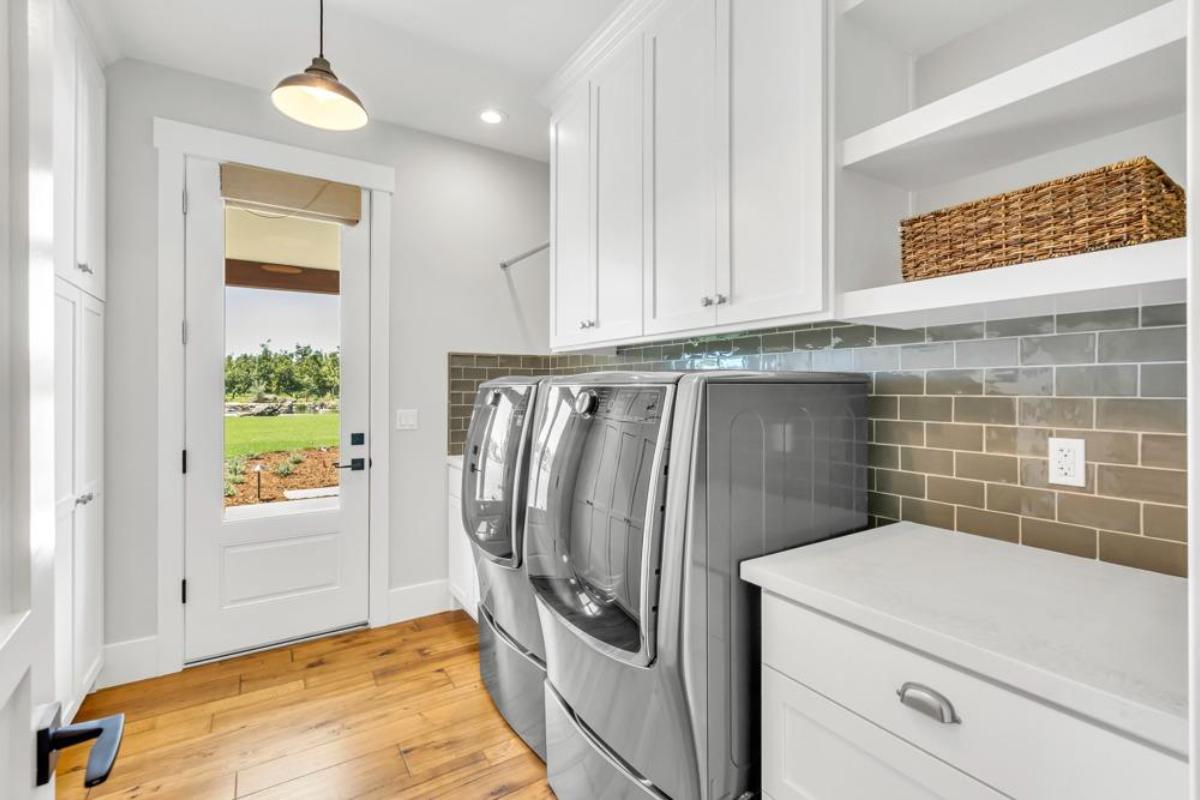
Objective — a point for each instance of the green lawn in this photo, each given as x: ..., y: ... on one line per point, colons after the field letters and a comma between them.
x: 247, y: 436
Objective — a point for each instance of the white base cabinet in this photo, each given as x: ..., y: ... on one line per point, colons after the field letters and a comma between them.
x: 462, y: 577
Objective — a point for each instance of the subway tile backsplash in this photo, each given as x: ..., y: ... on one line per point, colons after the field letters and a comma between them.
x: 961, y: 416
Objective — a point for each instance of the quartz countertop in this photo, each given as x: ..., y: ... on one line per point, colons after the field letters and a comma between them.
x: 455, y: 461
x: 1100, y: 640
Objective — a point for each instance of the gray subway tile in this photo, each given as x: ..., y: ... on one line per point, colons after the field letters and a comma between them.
x: 956, y: 332
x: 870, y: 359
x: 886, y: 456
x: 1160, y: 416
x: 832, y: 360
x: 1147, y: 344
x: 899, y: 335
x: 1100, y: 512
x: 893, y: 432
x: 1056, y: 412
x: 1106, y: 320
x: 815, y: 339
x: 890, y: 481
x: 883, y: 505
x: 900, y: 383
x: 1164, y: 450
x: 1105, y: 446
x: 954, y: 381
x: 1017, y: 441
x: 1070, y: 539
x: 954, y: 437
x: 771, y: 343
x: 1071, y: 348
x: 986, y: 467
x: 986, y: 353
x: 927, y: 356
x: 956, y: 491
x: 1164, y: 380
x: 994, y: 410
x: 1164, y: 522
x: 1110, y: 380
x: 1142, y: 483
x: 1015, y: 381
x: 992, y: 524
x: 800, y: 360
x: 930, y: 462
x: 939, y: 515
x: 882, y: 406
x: 1022, y: 326
x: 934, y: 409
x: 854, y: 336
x: 1144, y: 553
x: 1020, y: 500
x: 1171, y: 314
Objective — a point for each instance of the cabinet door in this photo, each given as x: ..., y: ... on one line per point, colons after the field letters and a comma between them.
x: 772, y: 259
x: 617, y: 100
x: 67, y: 300
x: 813, y: 749
x: 88, y: 566
x: 89, y: 172
x: 572, y: 277
x: 66, y: 74
x: 680, y: 270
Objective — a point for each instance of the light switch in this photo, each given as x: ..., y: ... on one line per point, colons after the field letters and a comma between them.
x: 406, y: 419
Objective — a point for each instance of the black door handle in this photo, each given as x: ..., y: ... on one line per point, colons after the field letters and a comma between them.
x: 52, y: 737
x: 355, y: 465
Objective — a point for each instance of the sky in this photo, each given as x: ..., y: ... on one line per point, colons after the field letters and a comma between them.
x: 252, y: 316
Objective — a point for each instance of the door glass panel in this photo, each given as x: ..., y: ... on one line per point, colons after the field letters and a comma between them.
x: 491, y: 473
x: 587, y: 518
x: 282, y: 360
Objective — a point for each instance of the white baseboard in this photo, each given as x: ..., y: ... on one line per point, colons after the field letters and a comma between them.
x: 129, y: 661
x: 419, y: 600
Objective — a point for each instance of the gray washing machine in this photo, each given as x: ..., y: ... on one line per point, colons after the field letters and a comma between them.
x: 646, y: 491
x: 512, y: 656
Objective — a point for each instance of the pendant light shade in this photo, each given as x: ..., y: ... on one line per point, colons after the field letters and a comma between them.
x: 316, y: 97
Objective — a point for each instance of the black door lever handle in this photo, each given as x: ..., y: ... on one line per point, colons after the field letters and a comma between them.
x: 52, y: 737
x: 355, y: 465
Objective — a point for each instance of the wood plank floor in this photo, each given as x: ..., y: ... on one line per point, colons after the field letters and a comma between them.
x: 396, y: 712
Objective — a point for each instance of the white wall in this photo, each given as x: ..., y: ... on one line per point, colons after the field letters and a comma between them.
x: 458, y: 210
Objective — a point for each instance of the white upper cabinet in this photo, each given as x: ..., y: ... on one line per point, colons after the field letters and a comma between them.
x: 680, y: 274
x: 618, y: 117
x: 571, y: 288
x: 772, y: 264
x: 80, y: 118
x: 707, y: 172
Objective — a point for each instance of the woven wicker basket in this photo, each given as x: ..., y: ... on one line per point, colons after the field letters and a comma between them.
x: 1131, y: 202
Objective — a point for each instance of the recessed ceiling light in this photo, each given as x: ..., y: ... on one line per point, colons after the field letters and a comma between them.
x: 492, y: 116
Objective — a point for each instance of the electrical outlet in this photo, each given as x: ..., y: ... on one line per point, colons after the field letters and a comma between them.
x: 406, y: 419
x: 1067, y: 465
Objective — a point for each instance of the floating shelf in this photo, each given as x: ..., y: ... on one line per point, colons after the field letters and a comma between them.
x: 1127, y: 75
x: 1147, y: 274
x: 920, y: 26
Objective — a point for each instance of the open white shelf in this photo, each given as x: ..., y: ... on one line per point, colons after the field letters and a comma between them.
x: 1126, y: 75
x: 919, y: 26
x: 1147, y: 274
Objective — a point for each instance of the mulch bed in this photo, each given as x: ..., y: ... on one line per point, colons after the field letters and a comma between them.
x: 315, y: 471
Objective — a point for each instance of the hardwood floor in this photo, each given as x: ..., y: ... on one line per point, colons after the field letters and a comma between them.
x: 396, y: 712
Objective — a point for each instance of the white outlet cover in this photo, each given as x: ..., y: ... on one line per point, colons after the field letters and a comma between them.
x: 406, y: 419
x: 1068, y: 466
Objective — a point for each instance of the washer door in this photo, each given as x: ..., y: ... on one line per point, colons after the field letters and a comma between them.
x: 594, y: 521
x: 492, y: 473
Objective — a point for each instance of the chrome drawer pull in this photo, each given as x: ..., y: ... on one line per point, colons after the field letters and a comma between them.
x: 931, y: 703
x: 83, y: 267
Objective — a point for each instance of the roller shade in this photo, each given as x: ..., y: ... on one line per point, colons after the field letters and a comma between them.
x: 285, y: 193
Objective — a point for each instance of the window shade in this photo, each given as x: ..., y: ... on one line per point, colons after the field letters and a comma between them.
x: 285, y: 193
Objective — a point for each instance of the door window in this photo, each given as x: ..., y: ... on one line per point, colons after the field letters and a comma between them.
x: 492, y: 474
x: 592, y: 513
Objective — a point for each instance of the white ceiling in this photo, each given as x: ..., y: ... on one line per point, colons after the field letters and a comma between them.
x: 428, y: 64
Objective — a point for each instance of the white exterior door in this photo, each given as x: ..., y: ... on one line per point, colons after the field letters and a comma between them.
x: 267, y: 573
x: 680, y: 275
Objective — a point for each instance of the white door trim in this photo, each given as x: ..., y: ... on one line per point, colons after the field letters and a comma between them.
x: 176, y: 141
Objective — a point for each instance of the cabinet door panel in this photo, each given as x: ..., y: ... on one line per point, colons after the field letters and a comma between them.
x: 67, y: 300
x: 776, y: 161
x: 681, y: 266
x: 89, y: 528
x: 814, y: 749
x: 66, y: 73
x: 572, y: 274
x: 617, y: 108
x: 90, y: 173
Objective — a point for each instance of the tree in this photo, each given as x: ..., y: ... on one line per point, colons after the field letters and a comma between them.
x: 302, y: 372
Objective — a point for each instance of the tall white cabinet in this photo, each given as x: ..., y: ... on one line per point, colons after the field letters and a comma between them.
x: 80, y: 266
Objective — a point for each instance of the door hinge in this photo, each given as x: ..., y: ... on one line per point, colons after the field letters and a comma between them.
x: 185, y: 201
x: 183, y: 590
x: 183, y: 331
x: 185, y: 462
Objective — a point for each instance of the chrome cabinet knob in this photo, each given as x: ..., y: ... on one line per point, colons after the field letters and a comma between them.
x: 722, y: 299
x: 582, y: 324
x: 84, y: 499
x: 706, y: 301
x: 83, y: 267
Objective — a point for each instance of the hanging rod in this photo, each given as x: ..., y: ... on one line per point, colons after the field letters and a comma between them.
x: 531, y: 252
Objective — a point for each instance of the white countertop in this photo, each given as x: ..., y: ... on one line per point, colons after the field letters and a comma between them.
x: 1101, y: 640
x: 455, y: 461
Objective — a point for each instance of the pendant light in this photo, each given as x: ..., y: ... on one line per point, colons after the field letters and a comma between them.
x: 316, y: 97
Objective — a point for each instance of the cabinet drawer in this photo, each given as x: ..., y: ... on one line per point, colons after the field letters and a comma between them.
x: 1007, y: 740
x: 814, y: 749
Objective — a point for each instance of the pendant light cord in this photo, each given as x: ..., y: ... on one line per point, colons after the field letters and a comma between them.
x: 321, y: 45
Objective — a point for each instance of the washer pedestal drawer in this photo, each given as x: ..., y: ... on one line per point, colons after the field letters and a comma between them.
x: 514, y: 679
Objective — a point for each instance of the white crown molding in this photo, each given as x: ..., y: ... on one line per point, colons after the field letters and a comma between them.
x: 624, y: 21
